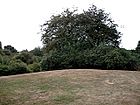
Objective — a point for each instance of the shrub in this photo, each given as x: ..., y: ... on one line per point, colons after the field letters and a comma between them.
x: 51, y: 61
x: 18, y: 67
x: 101, y: 57
x: 117, y: 58
x: 25, y: 57
x: 68, y: 59
x: 4, y: 70
x: 35, y: 67
x: 6, y: 60
x: 1, y: 59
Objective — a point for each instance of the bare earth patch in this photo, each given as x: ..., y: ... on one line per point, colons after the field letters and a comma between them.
x: 71, y: 87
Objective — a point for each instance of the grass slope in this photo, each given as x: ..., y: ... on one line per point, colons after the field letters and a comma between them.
x: 71, y: 87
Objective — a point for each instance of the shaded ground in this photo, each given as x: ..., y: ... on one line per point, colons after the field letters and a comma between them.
x: 71, y: 87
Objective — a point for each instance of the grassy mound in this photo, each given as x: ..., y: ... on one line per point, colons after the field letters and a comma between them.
x: 71, y: 87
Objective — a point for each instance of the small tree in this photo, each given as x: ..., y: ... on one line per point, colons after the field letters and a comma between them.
x: 0, y: 45
x: 10, y: 49
x: 138, y: 47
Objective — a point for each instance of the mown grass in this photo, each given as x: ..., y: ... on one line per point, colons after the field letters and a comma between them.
x: 72, y: 87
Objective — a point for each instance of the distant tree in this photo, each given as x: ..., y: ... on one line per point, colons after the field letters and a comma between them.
x: 1, y: 51
x: 0, y: 45
x: 10, y: 49
x: 138, y: 47
x: 37, y: 51
x: 24, y: 51
x: 25, y: 57
x: 7, y: 52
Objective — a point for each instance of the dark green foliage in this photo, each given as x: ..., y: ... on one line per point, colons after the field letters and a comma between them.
x: 6, y: 52
x: 86, y: 40
x: 59, y: 60
x: 26, y: 57
x: 0, y: 45
x: 101, y: 57
x: 80, y: 31
x: 37, y: 51
x: 116, y: 58
x: 13, y: 62
x: 4, y: 70
x: 35, y: 67
x: 69, y: 59
x: 1, y: 59
x: 14, y: 67
x: 10, y: 49
x: 37, y: 59
x: 138, y: 47
x: 1, y: 52
x: 5, y: 60
x: 16, y: 63
x: 18, y: 67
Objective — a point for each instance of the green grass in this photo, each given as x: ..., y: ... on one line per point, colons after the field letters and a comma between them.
x: 72, y: 87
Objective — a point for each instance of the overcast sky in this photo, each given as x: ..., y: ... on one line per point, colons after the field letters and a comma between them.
x: 20, y: 20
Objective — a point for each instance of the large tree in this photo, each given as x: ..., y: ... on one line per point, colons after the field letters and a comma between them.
x: 80, y: 31
x: 72, y: 39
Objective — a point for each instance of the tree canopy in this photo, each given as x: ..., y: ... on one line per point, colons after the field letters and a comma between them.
x: 80, y: 30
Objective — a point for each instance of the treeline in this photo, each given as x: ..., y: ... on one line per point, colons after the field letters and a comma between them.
x: 14, y: 62
x: 73, y: 40
x: 101, y: 57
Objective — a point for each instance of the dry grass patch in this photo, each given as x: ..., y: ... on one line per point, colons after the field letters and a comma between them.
x: 71, y: 87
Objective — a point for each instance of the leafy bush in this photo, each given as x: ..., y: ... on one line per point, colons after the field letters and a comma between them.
x: 4, y: 70
x: 1, y: 59
x: 101, y: 57
x: 35, y: 67
x: 18, y: 67
x: 6, y: 60
x: 25, y: 57
x: 37, y: 59
x: 51, y: 61
x: 67, y: 59
x: 116, y: 59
